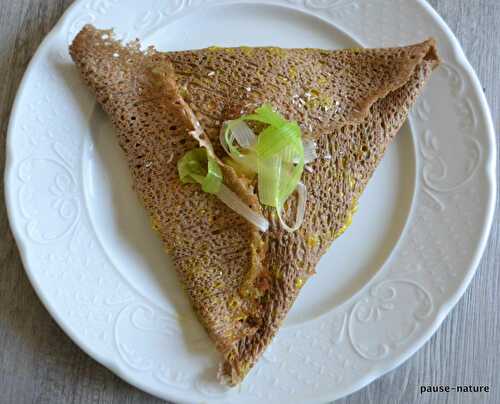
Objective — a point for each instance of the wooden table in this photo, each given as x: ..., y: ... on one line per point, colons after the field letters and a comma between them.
x: 40, y: 364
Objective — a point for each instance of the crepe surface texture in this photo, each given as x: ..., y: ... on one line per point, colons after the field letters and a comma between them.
x: 351, y: 102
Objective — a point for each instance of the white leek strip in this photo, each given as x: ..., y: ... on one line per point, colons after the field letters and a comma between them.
x: 235, y: 203
x: 309, y: 150
x: 236, y: 130
x: 301, y: 208
x: 222, y: 138
x: 242, y: 133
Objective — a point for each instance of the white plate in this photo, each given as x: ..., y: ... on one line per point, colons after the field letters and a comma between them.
x: 380, y: 292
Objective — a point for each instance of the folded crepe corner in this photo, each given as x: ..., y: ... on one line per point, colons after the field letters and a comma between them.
x: 352, y: 102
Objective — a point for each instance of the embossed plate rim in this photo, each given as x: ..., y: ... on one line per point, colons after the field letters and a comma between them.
x: 452, y: 298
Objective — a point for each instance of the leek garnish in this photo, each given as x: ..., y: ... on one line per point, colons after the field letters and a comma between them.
x: 198, y: 167
x: 277, y: 155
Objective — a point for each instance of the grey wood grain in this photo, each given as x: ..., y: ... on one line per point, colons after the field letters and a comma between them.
x: 38, y: 362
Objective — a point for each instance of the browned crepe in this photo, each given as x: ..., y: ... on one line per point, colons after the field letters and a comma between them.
x: 351, y: 102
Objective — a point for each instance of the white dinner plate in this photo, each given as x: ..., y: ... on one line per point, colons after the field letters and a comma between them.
x: 381, y: 290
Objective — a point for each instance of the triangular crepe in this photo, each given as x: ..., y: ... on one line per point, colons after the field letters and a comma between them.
x: 352, y: 102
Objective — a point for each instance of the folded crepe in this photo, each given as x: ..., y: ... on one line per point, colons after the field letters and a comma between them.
x: 351, y: 102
